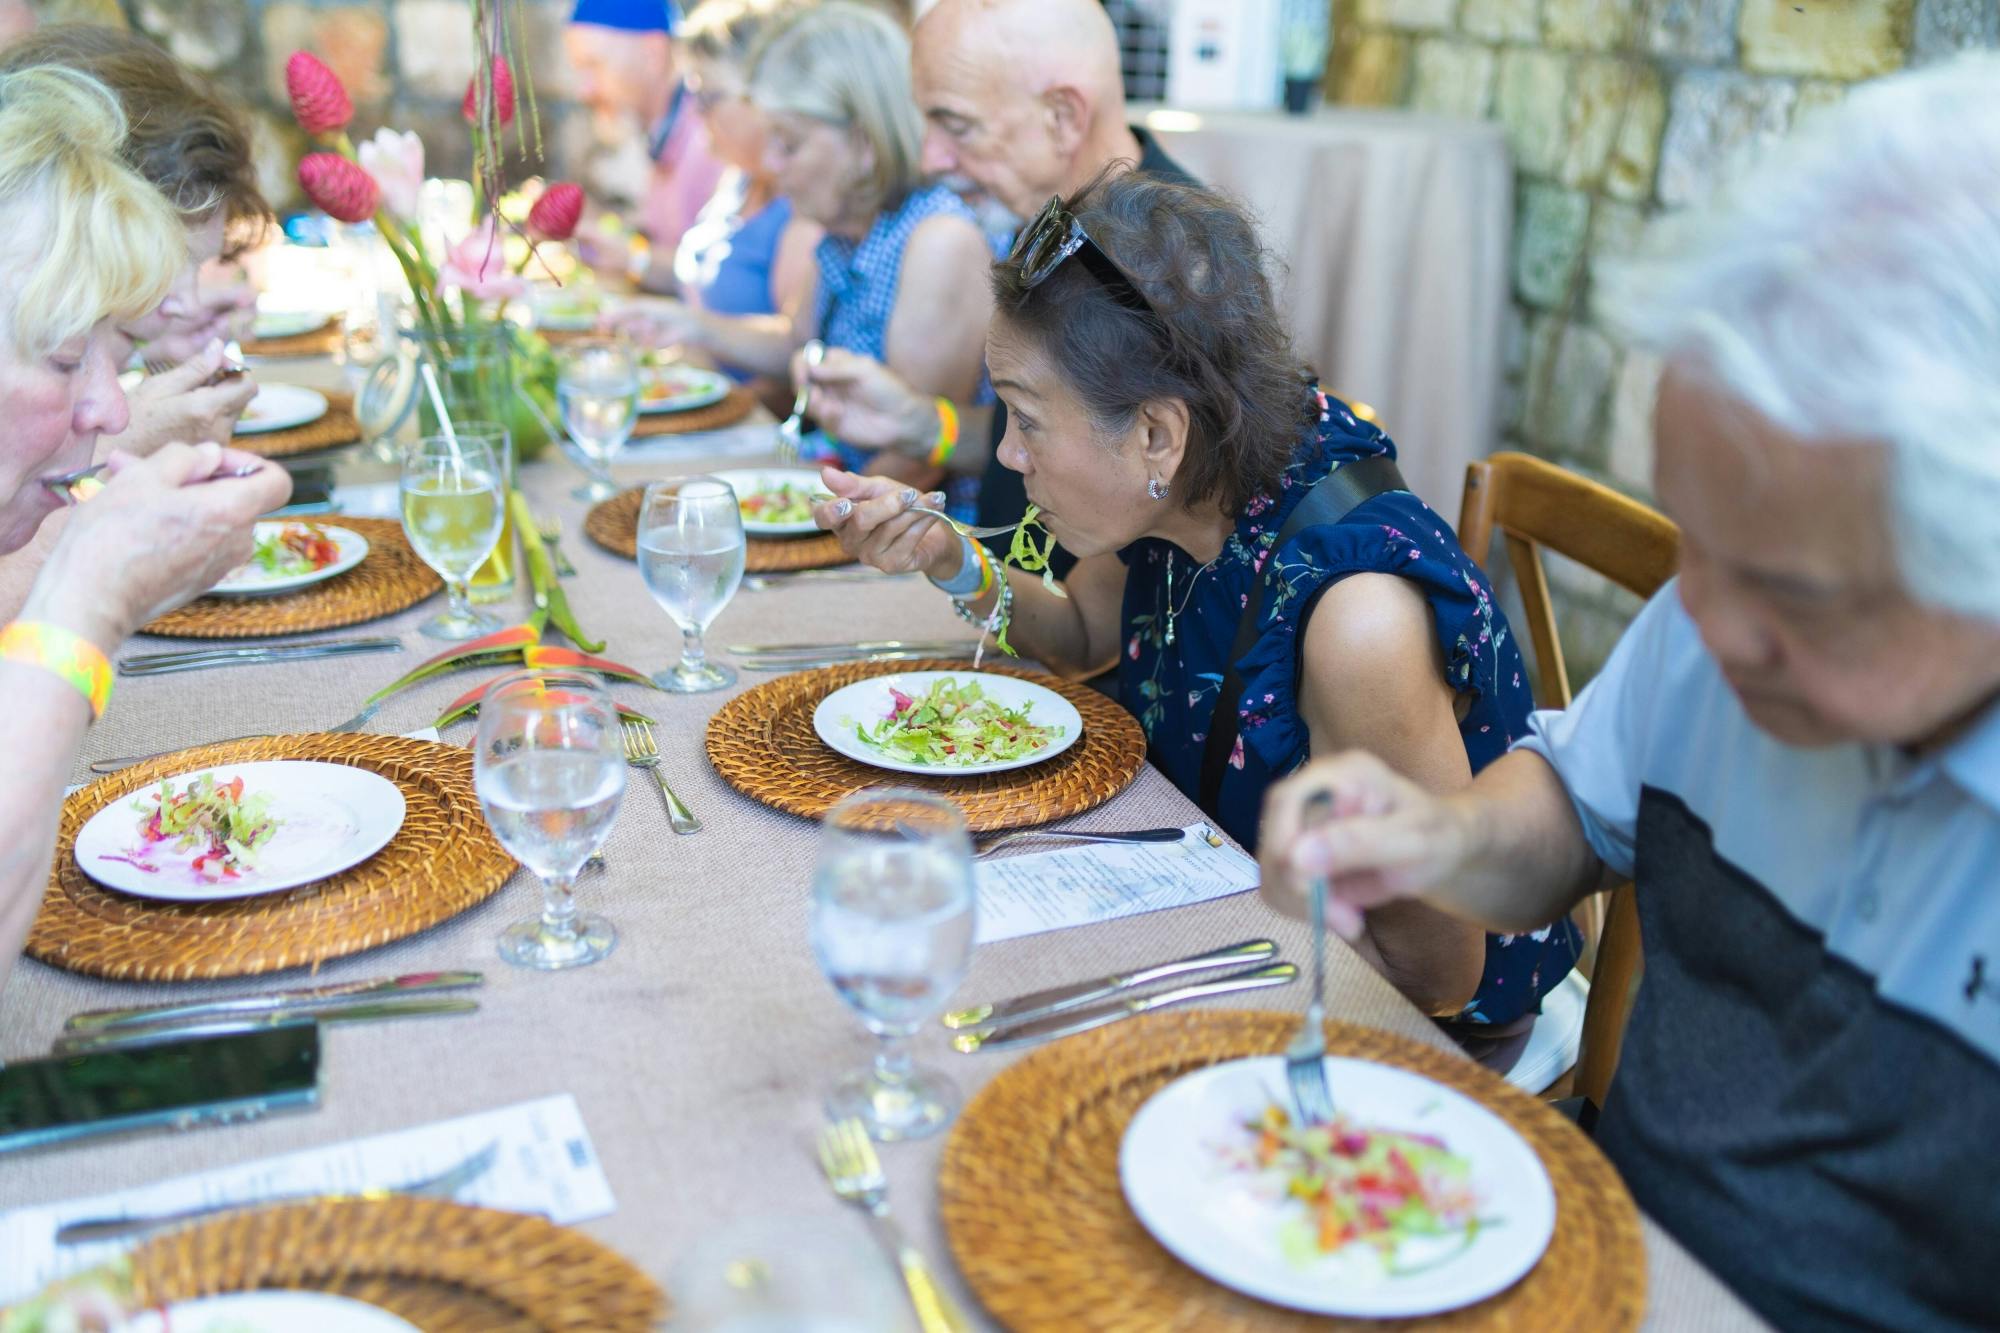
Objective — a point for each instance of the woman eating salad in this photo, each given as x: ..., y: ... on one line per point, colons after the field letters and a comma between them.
x: 86, y: 243
x: 1246, y: 555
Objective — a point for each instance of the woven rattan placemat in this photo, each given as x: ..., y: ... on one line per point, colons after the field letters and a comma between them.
x: 763, y: 744
x: 389, y: 580
x: 445, y: 1267
x: 614, y: 525
x: 442, y: 861
x: 339, y: 426
x: 738, y: 405
x: 322, y: 341
x: 1029, y: 1193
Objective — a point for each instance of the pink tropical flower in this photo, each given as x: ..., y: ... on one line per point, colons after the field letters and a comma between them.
x: 319, y: 100
x: 478, y: 266
x: 503, y: 95
x: 396, y: 161
x: 338, y: 186
x: 556, y: 213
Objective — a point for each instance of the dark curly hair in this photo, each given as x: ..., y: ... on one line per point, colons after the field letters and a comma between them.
x: 187, y: 136
x: 1214, y: 339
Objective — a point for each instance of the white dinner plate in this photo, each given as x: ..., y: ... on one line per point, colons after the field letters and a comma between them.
x: 680, y: 388
x: 841, y: 714
x: 272, y: 324
x: 281, y: 407
x: 1225, y: 1223
x: 334, y: 816
x: 747, y: 482
x: 270, y: 1312
x: 565, y: 309
x: 252, y: 581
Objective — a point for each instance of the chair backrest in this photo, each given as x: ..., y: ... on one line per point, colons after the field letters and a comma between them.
x: 1535, y: 506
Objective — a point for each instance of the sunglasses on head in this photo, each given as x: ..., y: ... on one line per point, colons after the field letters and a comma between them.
x: 1053, y: 237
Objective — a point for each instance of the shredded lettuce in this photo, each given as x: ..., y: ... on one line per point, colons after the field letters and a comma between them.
x: 228, y: 828
x: 1025, y: 554
x: 954, y: 725
x: 784, y: 503
x: 1342, y: 1184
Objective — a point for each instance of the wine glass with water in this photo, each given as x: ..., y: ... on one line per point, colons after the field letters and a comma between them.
x: 454, y: 506
x: 691, y: 552
x: 892, y: 925
x: 549, y: 767
x: 597, y: 386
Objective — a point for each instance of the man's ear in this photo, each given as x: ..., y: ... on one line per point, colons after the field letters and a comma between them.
x: 1066, y: 112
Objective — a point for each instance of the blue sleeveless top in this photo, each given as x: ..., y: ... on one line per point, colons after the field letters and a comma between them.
x: 1173, y: 690
x: 726, y: 260
x: 858, y: 282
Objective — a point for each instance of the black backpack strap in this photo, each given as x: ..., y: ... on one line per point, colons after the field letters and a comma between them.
x: 1331, y: 499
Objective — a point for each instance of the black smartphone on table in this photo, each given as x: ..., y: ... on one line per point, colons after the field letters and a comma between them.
x: 175, y: 1085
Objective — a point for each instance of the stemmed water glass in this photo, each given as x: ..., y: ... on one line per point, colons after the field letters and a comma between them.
x: 597, y: 386
x: 454, y: 506
x: 549, y: 768
x: 691, y: 552
x: 892, y: 926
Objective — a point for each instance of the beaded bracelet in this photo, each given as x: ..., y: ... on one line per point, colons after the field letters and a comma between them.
x: 70, y: 656
x: 994, y: 623
x: 947, y: 438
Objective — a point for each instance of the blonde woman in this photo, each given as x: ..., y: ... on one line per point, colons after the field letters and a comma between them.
x: 901, y: 273
x: 748, y: 253
x: 86, y: 243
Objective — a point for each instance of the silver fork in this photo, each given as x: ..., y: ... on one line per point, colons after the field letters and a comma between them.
x: 789, y: 428
x: 550, y: 531
x: 444, y: 1185
x: 1305, y: 1058
x: 855, y: 1172
x: 965, y: 529
x: 642, y: 751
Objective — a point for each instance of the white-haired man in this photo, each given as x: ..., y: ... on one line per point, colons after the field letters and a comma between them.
x: 1024, y: 99
x: 1796, y: 748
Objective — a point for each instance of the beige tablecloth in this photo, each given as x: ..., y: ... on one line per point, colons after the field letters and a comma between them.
x: 1394, y: 231
x: 699, y: 1050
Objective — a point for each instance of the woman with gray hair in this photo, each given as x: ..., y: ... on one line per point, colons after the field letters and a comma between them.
x: 901, y: 273
x: 1797, y: 744
x: 86, y: 243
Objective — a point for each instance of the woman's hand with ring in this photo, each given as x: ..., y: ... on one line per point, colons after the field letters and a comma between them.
x: 871, y: 517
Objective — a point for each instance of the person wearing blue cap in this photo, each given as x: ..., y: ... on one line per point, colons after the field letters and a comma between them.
x: 655, y: 155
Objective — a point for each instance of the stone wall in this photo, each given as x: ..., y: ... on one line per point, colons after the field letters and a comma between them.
x: 1617, y: 110
x: 405, y: 62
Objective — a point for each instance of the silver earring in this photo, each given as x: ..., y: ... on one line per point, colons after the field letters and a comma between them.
x: 1156, y: 488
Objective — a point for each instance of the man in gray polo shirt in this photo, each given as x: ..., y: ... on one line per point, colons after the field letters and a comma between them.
x: 1796, y: 748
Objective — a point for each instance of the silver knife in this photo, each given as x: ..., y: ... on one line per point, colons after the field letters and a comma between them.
x: 337, y: 1011
x: 157, y: 664
x: 766, y: 582
x: 830, y: 649
x: 239, y: 1005
x: 810, y: 663
x: 1057, y: 998
x: 1070, y: 1022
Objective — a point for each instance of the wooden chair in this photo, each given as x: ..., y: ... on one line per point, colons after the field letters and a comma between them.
x: 1538, y: 506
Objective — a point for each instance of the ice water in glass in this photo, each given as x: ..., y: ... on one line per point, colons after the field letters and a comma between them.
x: 597, y: 388
x: 691, y: 553
x: 893, y: 917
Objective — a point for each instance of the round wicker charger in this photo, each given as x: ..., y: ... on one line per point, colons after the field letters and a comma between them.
x: 738, y: 405
x: 442, y: 861
x: 614, y: 525
x: 391, y: 579
x: 445, y: 1267
x: 339, y: 426
x: 1033, y: 1210
x: 322, y: 341
x: 763, y: 744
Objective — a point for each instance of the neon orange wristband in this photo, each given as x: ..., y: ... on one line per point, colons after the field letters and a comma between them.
x: 70, y: 656
x: 947, y: 440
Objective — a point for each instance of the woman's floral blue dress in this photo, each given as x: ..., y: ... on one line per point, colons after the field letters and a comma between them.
x: 1173, y: 689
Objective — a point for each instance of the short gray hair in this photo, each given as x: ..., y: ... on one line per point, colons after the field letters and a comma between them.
x: 849, y: 65
x: 1849, y: 287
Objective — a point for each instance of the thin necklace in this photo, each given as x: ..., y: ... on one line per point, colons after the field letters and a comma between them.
x: 1173, y: 611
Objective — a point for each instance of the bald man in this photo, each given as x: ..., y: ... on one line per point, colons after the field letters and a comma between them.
x: 1024, y: 99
